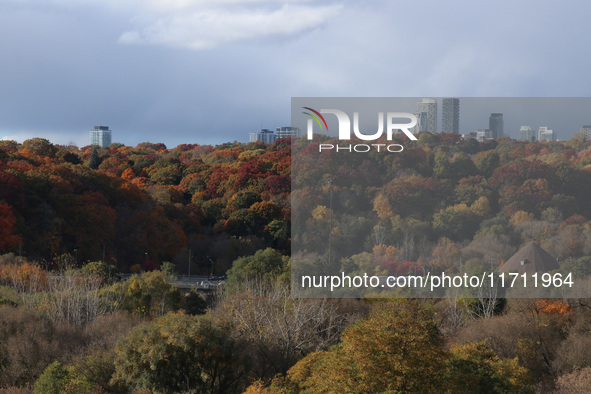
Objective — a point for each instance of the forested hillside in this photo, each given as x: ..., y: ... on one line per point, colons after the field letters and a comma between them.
x: 441, y: 199
x: 144, y: 205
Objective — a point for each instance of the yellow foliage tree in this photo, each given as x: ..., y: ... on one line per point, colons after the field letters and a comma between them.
x: 321, y: 213
x: 481, y: 207
x: 398, y: 348
x: 521, y: 217
x: 382, y: 207
x: 475, y: 367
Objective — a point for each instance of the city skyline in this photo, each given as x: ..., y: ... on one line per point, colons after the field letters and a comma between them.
x: 566, y: 116
x: 102, y: 135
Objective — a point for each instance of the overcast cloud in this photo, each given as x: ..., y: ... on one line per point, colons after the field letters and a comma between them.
x: 190, y: 71
x: 212, y: 26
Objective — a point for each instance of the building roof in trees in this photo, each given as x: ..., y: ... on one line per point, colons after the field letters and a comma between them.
x: 532, y: 258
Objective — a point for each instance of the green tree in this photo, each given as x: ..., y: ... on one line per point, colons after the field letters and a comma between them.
x: 457, y: 222
x: 168, y: 175
x: 53, y: 380
x: 244, y: 199
x: 95, y: 160
x: 68, y: 157
x: 148, y: 294
x: 470, y: 146
x: 107, y: 272
x: 178, y: 353
x: 486, y: 162
x: 279, y: 232
x: 580, y: 268
x: 93, y: 374
x: 265, y: 266
x: 415, y: 196
x: 212, y: 210
x: 9, y: 145
x: 194, y: 303
x: 459, y: 166
x: 168, y: 269
x: 40, y: 147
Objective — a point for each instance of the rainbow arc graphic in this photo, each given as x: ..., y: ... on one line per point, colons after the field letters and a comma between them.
x: 316, y: 117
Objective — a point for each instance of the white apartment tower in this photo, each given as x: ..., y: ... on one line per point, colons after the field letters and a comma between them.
x: 544, y: 133
x: 101, y: 136
x: 266, y: 136
x: 586, y: 130
x: 526, y: 133
x: 483, y: 135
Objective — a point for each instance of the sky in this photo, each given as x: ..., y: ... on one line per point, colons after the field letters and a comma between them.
x: 211, y: 71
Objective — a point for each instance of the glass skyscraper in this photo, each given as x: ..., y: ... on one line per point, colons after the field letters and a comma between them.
x: 450, y: 115
x: 495, y: 125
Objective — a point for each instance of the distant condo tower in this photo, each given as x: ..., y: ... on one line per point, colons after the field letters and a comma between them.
x: 544, y: 133
x: 526, y: 133
x: 429, y: 107
x: 101, y: 136
x: 287, y: 132
x: 495, y: 125
x: 586, y: 130
x: 421, y: 123
x: 266, y: 136
x: 450, y: 115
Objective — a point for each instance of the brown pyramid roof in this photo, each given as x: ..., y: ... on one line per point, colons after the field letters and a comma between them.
x: 530, y: 259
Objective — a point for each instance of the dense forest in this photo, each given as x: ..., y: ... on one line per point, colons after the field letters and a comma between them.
x: 144, y: 205
x: 73, y: 219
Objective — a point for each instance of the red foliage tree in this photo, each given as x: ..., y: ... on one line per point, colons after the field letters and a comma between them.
x: 8, y: 238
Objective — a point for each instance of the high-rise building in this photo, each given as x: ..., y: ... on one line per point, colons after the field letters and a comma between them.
x: 472, y: 134
x: 495, y: 125
x: 421, y: 123
x: 287, y: 132
x: 265, y: 135
x: 586, y: 131
x: 429, y: 106
x: 526, y: 133
x: 450, y: 115
x: 101, y: 136
x: 483, y: 135
x: 544, y: 133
